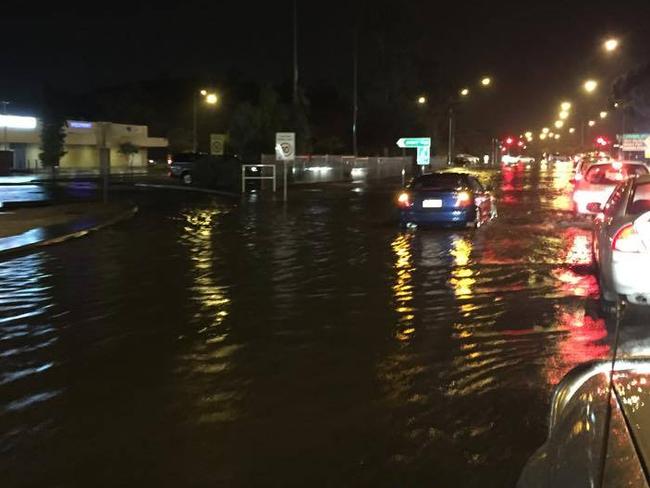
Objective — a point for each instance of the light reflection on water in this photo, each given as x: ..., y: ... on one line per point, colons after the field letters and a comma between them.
x: 265, y: 339
x: 210, y: 354
x: 27, y: 342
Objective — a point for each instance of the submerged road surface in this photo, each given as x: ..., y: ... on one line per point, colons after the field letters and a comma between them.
x: 212, y: 343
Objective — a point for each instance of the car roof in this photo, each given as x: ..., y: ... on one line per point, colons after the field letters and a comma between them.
x: 642, y: 179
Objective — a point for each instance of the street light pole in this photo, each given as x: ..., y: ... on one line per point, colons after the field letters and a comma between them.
x: 450, y: 142
x: 5, y: 144
x: 194, y: 117
x: 355, y: 98
x: 295, y: 53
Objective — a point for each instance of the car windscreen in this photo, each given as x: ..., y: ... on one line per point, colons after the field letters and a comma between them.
x: 640, y: 202
x: 443, y: 181
x: 613, y: 174
x: 183, y: 157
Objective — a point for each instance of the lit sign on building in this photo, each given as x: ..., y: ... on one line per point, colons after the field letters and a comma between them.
x: 78, y: 124
x: 17, y: 122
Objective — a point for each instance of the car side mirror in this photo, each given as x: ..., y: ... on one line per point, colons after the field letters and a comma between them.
x: 594, y: 207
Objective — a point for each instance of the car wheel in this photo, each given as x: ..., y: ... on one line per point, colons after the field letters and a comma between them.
x: 606, y: 293
x: 187, y: 178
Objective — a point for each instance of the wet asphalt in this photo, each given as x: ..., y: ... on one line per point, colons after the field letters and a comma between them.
x: 221, y: 342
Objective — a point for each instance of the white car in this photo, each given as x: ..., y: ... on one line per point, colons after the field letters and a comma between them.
x: 599, y: 182
x: 621, y: 242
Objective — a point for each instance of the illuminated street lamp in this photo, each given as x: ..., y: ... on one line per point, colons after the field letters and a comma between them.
x: 486, y: 80
x: 564, y: 114
x: 210, y: 99
x: 590, y: 86
x: 545, y: 130
x: 528, y: 134
x: 572, y: 130
x: 566, y: 106
x: 422, y: 100
x: 603, y: 114
x: 542, y: 136
x: 464, y: 92
x: 610, y: 45
x: 550, y: 134
x: 559, y: 124
x: 591, y: 123
x: 557, y: 136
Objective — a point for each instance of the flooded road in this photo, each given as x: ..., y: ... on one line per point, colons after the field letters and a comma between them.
x: 212, y: 343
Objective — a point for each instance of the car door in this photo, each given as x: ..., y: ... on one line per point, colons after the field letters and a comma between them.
x: 481, y: 197
x: 605, y: 222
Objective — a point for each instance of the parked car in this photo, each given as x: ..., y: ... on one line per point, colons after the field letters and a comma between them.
x: 599, y: 182
x: 599, y: 429
x: 466, y: 160
x: 446, y: 198
x: 181, y: 166
x: 621, y: 242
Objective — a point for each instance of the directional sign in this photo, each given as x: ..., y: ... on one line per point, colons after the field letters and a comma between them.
x: 285, y: 146
x: 216, y: 144
x: 414, y: 142
x: 424, y: 155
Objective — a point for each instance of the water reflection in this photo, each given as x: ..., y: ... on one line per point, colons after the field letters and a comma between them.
x: 210, y: 353
x: 403, y: 284
x: 27, y: 348
x: 582, y: 337
x: 462, y: 276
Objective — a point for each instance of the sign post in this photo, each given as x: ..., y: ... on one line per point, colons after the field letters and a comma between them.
x: 421, y: 144
x: 217, y: 142
x: 285, y: 150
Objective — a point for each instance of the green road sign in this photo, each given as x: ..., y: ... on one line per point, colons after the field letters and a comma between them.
x: 423, y: 156
x: 414, y: 142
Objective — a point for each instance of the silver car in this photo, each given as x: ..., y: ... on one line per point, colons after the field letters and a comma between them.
x: 621, y: 242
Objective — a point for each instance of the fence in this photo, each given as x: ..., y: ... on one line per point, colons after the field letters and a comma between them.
x: 315, y: 168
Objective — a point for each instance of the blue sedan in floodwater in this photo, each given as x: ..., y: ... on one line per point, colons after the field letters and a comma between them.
x: 446, y: 199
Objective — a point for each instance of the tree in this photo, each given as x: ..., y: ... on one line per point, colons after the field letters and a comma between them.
x: 128, y: 150
x: 180, y: 139
x: 632, y: 91
x: 52, y: 138
x: 253, y: 126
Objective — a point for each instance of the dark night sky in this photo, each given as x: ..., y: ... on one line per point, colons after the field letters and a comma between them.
x: 536, y: 51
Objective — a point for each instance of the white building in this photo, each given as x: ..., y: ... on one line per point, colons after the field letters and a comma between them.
x: 22, y: 136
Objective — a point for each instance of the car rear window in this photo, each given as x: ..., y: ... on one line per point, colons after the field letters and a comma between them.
x: 613, y: 174
x: 184, y: 157
x: 442, y: 181
x: 640, y: 200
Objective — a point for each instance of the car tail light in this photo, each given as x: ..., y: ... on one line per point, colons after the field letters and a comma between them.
x: 404, y: 200
x: 169, y: 160
x: 463, y: 199
x: 627, y: 240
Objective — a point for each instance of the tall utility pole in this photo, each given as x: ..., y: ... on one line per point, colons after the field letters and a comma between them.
x: 355, y: 92
x: 194, y: 123
x: 450, y: 144
x: 5, y: 145
x: 295, y: 53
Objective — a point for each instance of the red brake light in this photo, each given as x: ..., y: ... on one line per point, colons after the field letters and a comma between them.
x: 404, y: 199
x: 627, y: 240
x: 463, y: 199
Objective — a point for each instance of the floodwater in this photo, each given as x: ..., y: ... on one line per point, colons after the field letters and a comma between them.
x: 208, y: 342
